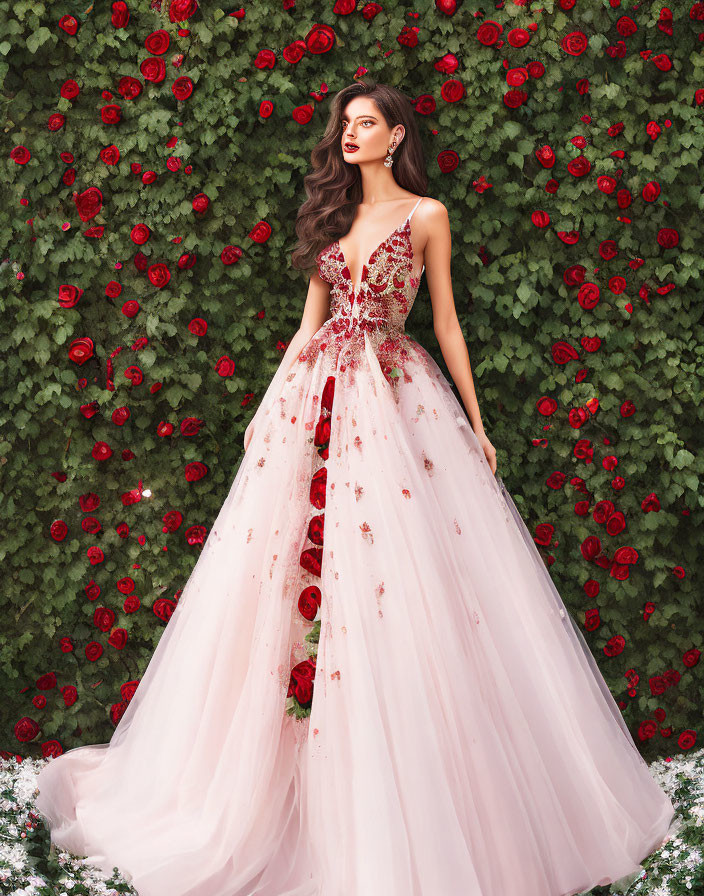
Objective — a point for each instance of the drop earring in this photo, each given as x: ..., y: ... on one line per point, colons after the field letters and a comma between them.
x: 388, y: 161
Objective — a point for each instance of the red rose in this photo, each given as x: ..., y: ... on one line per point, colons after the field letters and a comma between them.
x: 195, y: 535
x: 81, y: 350
x: 69, y: 89
x: 301, y: 682
x: 113, y: 289
x: 120, y: 416
x: 163, y: 608
x: 562, y: 352
x: 690, y: 657
x: 626, y: 554
x: 322, y: 432
x: 89, y: 501
x: 94, y: 650
x: 230, y: 254
x: 266, y: 107
x: 546, y: 406
x: 320, y: 39
x: 164, y: 429
x: 224, y: 366
x: 55, y: 122
x: 668, y: 237
x: 95, y: 555
x: 117, y: 638
x: 141, y: 262
x: 59, y: 530
x: 574, y: 43
x: 125, y: 585
x: 69, y: 295
x: 425, y: 104
x: 110, y: 155
x: 579, y: 167
x: 131, y: 308
x: 91, y: 525
x: 20, y: 154
x: 200, y: 203
x: 69, y: 693
x: 89, y: 410
x: 26, y: 729
x: 103, y: 618
x: 134, y: 373
x: 159, y: 275
x: 157, y: 42
x: 261, y: 232
x: 518, y: 37
x: 120, y: 14
x: 588, y: 295
x: 182, y: 88
x: 265, y: 59
x: 101, y: 451
x: 172, y: 520
x: 153, y: 69
x: 318, y: 485
x: 129, y: 87
x: 687, y: 739
x: 452, y: 91
x: 515, y: 98
x: 186, y: 261
x: 614, y: 646
x: 294, y: 52
x: 308, y: 602
x: 69, y: 24
x: 117, y: 710
x: 447, y: 64
x: 198, y: 326
x: 448, y: 160
x: 328, y: 394
x: 128, y: 690
x: 88, y: 203
x: 191, y: 426
x: 195, y: 470
x: 139, y: 234
x: 111, y: 114
x: 181, y: 10
x: 488, y: 33
x: 316, y: 529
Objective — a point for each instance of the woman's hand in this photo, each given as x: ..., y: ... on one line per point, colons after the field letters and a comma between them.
x: 488, y: 449
x: 248, y: 433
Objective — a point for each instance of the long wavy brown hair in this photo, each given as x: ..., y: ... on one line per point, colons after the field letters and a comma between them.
x: 334, y: 187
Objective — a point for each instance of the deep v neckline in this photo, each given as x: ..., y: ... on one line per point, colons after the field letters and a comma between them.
x: 365, y: 267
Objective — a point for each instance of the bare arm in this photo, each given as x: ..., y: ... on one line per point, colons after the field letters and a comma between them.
x: 315, y: 312
x: 445, y: 322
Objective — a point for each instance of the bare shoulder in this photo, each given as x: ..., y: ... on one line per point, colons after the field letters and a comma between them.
x: 432, y: 213
x: 433, y: 218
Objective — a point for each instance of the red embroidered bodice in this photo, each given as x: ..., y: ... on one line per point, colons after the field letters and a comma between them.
x: 387, y: 289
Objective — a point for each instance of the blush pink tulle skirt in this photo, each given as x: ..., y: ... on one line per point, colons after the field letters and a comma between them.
x: 461, y: 741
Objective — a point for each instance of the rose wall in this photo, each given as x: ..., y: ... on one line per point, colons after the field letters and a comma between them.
x: 153, y: 162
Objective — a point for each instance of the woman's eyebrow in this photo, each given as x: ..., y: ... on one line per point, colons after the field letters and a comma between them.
x: 361, y: 116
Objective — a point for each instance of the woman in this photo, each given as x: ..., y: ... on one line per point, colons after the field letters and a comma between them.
x: 370, y: 684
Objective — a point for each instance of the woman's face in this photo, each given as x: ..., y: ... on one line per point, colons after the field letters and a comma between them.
x: 363, y: 125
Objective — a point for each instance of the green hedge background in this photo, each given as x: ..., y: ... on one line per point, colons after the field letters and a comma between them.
x: 591, y: 393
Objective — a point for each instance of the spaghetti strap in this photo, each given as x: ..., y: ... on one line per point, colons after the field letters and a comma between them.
x: 415, y: 207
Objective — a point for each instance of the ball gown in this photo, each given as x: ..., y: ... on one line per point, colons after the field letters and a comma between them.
x: 452, y: 735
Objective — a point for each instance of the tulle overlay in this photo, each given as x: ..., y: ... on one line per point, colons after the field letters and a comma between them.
x: 461, y: 740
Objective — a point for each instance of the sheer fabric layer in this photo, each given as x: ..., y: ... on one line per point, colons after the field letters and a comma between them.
x: 461, y: 738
